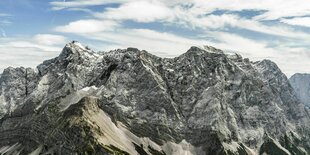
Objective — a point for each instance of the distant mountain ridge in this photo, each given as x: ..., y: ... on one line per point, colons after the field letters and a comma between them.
x: 301, y: 84
x: 129, y: 101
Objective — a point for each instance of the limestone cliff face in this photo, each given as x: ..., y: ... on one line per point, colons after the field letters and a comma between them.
x: 131, y: 102
x: 15, y: 84
x: 301, y: 84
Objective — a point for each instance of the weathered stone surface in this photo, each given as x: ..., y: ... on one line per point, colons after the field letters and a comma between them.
x: 15, y: 85
x: 301, y: 84
x: 202, y: 102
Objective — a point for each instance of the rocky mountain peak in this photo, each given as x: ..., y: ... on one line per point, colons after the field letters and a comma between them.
x: 75, y: 50
x: 196, y: 50
x: 268, y: 64
x: 128, y: 101
x: 301, y: 76
x: 74, y: 53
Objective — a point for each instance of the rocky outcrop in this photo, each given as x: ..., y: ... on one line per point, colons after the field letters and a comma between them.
x: 131, y: 102
x: 301, y: 84
x: 15, y: 84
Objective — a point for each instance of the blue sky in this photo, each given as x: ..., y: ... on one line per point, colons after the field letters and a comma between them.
x: 34, y: 30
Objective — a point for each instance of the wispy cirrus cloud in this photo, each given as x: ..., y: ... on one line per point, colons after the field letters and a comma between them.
x: 49, y: 39
x: 4, y: 19
x: 272, y: 10
x: 5, y: 22
x: 59, y: 5
x: 5, y: 15
x: 159, y: 43
x: 298, y: 21
x: 192, y: 17
x: 257, y: 29
x: 170, y: 45
x: 87, y: 26
x: 29, y: 52
x: 140, y: 11
x: 219, y: 23
x: 3, y: 33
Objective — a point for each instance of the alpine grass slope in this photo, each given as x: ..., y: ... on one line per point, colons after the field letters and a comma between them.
x: 204, y: 102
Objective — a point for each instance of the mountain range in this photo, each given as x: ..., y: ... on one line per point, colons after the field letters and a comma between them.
x: 128, y: 101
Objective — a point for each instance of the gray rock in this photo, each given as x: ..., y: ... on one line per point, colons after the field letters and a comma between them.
x: 301, y: 84
x: 128, y: 101
x: 15, y: 84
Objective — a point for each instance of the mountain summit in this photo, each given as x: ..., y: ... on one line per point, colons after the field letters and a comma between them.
x: 128, y: 101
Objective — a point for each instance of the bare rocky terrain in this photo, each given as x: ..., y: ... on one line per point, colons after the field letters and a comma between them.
x: 301, y: 84
x: 128, y: 101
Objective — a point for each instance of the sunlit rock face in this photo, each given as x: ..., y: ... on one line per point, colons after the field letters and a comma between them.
x: 301, y: 84
x: 15, y: 85
x: 128, y: 101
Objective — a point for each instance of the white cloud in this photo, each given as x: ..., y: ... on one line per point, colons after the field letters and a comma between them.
x: 193, y: 17
x: 222, y: 21
x: 5, y: 15
x: 241, y: 44
x: 213, y: 21
x: 87, y: 26
x: 109, y: 31
x: 28, y: 44
x: 290, y: 59
x: 108, y: 27
x: 4, y: 19
x: 25, y: 52
x: 170, y: 45
x: 159, y: 43
x: 194, y: 14
x: 3, y: 34
x: 299, y: 21
x: 82, y: 3
x: 140, y: 11
x: 23, y: 56
x: 5, y: 22
x: 273, y: 10
x: 81, y: 10
x: 285, y: 8
x: 50, y: 39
